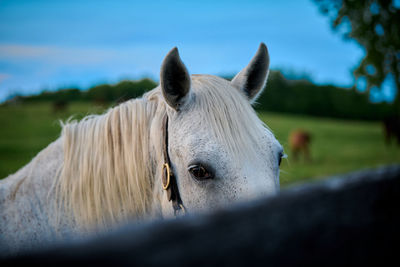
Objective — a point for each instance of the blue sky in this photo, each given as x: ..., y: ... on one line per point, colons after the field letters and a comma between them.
x: 52, y: 44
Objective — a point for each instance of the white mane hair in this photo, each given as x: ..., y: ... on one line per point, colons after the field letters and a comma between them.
x: 110, y: 165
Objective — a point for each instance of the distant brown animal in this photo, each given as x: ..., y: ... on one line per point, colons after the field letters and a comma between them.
x: 391, y: 127
x: 299, y: 142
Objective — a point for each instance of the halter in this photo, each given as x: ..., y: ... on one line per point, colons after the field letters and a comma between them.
x: 169, y: 183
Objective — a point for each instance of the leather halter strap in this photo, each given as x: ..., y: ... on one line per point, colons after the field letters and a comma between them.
x: 168, y: 177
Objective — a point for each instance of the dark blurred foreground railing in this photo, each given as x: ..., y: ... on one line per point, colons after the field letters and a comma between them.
x: 352, y: 219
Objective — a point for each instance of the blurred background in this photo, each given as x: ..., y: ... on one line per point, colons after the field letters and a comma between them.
x: 331, y: 99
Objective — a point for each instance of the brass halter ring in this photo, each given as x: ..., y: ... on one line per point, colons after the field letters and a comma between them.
x: 166, y: 165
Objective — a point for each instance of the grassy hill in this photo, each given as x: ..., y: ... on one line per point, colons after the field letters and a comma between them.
x: 338, y: 146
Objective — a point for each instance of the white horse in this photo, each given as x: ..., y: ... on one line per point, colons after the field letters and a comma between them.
x: 194, y: 143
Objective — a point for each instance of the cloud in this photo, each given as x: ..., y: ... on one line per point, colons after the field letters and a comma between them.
x: 4, y: 76
x: 55, y: 54
x: 23, y: 51
x: 30, y: 68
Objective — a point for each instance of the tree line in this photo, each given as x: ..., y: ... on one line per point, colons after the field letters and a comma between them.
x: 281, y: 95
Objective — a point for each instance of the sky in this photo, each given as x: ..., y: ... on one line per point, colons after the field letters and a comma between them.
x: 53, y: 44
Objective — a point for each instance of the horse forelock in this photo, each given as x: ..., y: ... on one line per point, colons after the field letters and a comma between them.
x: 228, y: 114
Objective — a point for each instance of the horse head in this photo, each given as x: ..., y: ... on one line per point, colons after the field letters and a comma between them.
x: 219, y: 150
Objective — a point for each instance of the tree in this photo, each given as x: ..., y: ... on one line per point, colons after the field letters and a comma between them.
x: 375, y: 25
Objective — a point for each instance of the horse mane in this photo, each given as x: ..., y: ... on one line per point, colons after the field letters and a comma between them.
x: 106, y: 176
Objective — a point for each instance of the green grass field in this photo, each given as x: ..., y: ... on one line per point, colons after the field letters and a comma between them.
x: 338, y: 146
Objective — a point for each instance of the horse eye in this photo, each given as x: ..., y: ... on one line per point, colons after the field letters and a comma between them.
x: 199, y: 172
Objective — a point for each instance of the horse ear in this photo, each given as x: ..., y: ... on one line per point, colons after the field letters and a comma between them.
x: 174, y: 80
x: 251, y: 80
